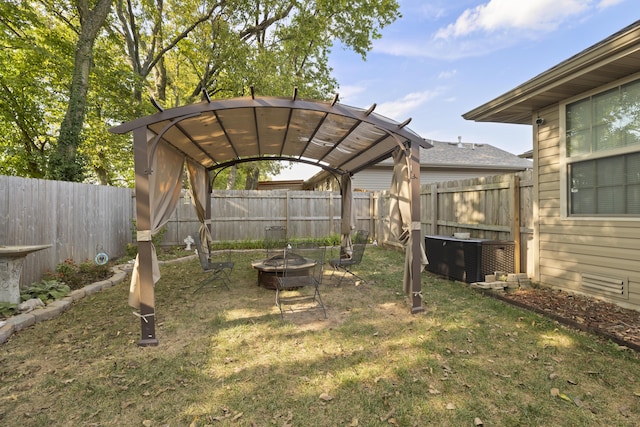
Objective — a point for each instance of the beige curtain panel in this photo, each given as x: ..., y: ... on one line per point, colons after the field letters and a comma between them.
x: 165, y: 183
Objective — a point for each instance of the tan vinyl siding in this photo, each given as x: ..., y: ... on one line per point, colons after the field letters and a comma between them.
x: 379, y: 179
x: 569, y: 248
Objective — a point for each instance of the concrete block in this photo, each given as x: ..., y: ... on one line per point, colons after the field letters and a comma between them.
x: 47, y: 313
x: 77, y: 294
x: 104, y: 284
x: 92, y: 288
x: 65, y: 303
x: 118, y: 277
x: 22, y: 321
x: 5, y: 331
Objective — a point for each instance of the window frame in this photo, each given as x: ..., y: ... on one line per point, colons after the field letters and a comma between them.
x: 565, y: 161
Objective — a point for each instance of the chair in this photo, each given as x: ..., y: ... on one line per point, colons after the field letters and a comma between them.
x: 275, y: 239
x: 345, y: 263
x: 218, y: 264
x: 361, y: 236
x: 303, y: 267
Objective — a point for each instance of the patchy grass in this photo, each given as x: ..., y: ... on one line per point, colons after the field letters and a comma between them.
x: 225, y: 358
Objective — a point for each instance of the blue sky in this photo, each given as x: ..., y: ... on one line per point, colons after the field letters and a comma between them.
x: 444, y: 58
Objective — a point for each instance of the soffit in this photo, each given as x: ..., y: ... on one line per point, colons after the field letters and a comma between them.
x: 333, y: 136
x: 612, y: 59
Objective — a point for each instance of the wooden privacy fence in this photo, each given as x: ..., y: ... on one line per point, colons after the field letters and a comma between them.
x: 78, y: 220
x: 494, y: 207
x: 240, y: 215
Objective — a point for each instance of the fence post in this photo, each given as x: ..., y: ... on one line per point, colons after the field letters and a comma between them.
x: 514, y: 184
x: 286, y: 213
x: 434, y: 209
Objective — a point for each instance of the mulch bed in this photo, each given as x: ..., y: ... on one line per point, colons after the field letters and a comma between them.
x: 607, y: 320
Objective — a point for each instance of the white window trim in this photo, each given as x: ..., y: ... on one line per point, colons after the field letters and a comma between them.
x: 564, y: 160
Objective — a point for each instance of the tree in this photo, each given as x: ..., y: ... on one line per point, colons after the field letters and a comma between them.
x: 73, y: 72
x: 34, y: 60
x: 64, y: 163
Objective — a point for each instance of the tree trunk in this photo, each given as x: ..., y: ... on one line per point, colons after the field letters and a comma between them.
x: 231, y: 179
x: 64, y: 164
x: 253, y: 174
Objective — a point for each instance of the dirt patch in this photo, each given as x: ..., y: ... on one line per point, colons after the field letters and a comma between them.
x: 589, y: 314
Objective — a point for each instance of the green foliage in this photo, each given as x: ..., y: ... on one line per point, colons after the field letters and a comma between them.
x: 45, y: 290
x: 173, y: 53
x: 7, y: 309
x: 76, y: 276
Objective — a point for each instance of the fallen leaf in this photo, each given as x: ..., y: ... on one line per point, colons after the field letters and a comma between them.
x: 451, y: 406
x: 354, y: 422
x: 325, y: 397
x: 433, y: 391
x: 565, y: 397
x: 555, y: 392
x: 147, y: 423
x: 553, y: 375
x: 392, y: 421
x: 387, y: 415
x: 238, y: 415
x: 478, y: 422
x: 572, y: 382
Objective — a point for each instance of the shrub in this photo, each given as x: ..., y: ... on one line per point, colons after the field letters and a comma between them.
x: 76, y: 276
x: 7, y: 309
x: 46, y: 290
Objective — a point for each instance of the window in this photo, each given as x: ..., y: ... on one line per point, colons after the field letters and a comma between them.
x: 603, y: 153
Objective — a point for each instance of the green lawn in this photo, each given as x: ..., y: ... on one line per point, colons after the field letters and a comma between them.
x: 226, y: 359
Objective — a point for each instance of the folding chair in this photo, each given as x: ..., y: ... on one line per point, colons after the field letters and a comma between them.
x: 303, y: 267
x: 218, y: 264
x: 275, y: 239
x: 345, y: 264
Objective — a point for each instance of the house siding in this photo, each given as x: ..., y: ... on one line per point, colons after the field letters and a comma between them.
x: 379, y: 179
x: 568, y: 248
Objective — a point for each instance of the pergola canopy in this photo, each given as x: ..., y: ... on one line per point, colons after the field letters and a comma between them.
x: 213, y: 134
x: 332, y: 136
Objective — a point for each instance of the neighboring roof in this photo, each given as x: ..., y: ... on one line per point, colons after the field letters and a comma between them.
x: 294, y: 184
x: 220, y: 133
x: 613, y: 58
x: 467, y: 155
x: 449, y: 155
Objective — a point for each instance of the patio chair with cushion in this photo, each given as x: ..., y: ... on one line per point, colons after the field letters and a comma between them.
x: 218, y: 265
x: 303, y: 268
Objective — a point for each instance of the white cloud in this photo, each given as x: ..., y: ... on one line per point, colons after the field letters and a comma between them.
x: 608, y: 3
x: 492, y: 25
x: 501, y: 15
x: 447, y: 74
x: 400, y: 108
x: 348, y: 92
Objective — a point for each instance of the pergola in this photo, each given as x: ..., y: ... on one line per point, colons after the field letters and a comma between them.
x: 214, y: 134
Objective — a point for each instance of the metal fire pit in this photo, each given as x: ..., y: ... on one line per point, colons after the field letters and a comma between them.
x: 270, y: 268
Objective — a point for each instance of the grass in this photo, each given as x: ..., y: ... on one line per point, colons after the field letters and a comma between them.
x: 226, y: 359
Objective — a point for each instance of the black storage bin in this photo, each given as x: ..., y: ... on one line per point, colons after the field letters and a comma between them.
x: 468, y: 260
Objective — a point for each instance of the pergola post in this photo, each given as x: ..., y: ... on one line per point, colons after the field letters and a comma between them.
x: 416, y: 230
x: 143, y: 222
